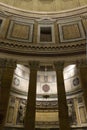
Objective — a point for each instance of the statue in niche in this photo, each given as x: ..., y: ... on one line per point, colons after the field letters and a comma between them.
x: 21, y: 113
x: 72, y: 114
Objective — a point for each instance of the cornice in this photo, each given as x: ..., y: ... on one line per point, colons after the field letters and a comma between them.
x: 57, y: 49
x: 10, y: 11
x: 43, y: 49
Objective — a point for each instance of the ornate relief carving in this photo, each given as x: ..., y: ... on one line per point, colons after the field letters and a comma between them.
x: 76, y: 81
x: 48, y: 104
x: 46, y: 88
x: 59, y: 65
x: 19, y: 29
x: 21, y: 112
x: 10, y: 63
x: 47, y: 49
x: 47, y: 124
x: 71, y: 112
x: 2, y: 63
x: 34, y: 64
x: 81, y: 63
x: 16, y: 81
x: 7, y: 63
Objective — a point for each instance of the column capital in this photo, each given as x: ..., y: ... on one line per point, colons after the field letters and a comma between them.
x: 10, y: 63
x: 81, y: 63
x: 2, y: 63
x: 34, y: 65
x: 59, y: 65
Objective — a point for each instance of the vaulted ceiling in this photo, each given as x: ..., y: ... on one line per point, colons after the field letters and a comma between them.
x: 49, y: 5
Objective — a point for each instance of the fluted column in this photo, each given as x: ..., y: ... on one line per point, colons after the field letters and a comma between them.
x: 62, y: 103
x: 31, y: 101
x: 7, y: 67
x: 82, y: 67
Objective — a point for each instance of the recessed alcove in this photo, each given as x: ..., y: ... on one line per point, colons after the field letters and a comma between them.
x: 46, y: 33
x: 46, y: 98
x: 50, y: 34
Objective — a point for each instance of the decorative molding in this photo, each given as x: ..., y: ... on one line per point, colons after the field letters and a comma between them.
x: 31, y: 49
x: 20, y: 31
x: 43, y: 50
x: 16, y: 81
x: 76, y: 25
x: 8, y: 63
x: 11, y: 63
x: 59, y: 65
x: 2, y: 63
x: 46, y: 88
x: 34, y: 65
x: 45, y: 20
x: 81, y: 63
x: 45, y: 124
x: 46, y: 25
x: 43, y: 105
x: 76, y: 81
x: 70, y: 11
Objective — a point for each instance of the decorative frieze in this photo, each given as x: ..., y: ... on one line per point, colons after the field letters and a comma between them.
x: 35, y: 49
x: 17, y: 106
x: 20, y: 30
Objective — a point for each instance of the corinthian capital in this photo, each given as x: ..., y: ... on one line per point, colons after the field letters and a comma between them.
x: 81, y: 63
x: 34, y: 65
x: 2, y: 63
x: 10, y: 63
x: 59, y: 65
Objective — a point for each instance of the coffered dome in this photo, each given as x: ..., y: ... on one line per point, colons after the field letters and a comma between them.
x: 47, y: 40
x: 45, y: 5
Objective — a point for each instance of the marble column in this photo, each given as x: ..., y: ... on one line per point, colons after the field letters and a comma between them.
x: 7, y: 67
x: 29, y: 123
x: 82, y: 70
x: 62, y: 103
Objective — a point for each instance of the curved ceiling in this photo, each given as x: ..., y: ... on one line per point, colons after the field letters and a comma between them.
x: 45, y: 5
